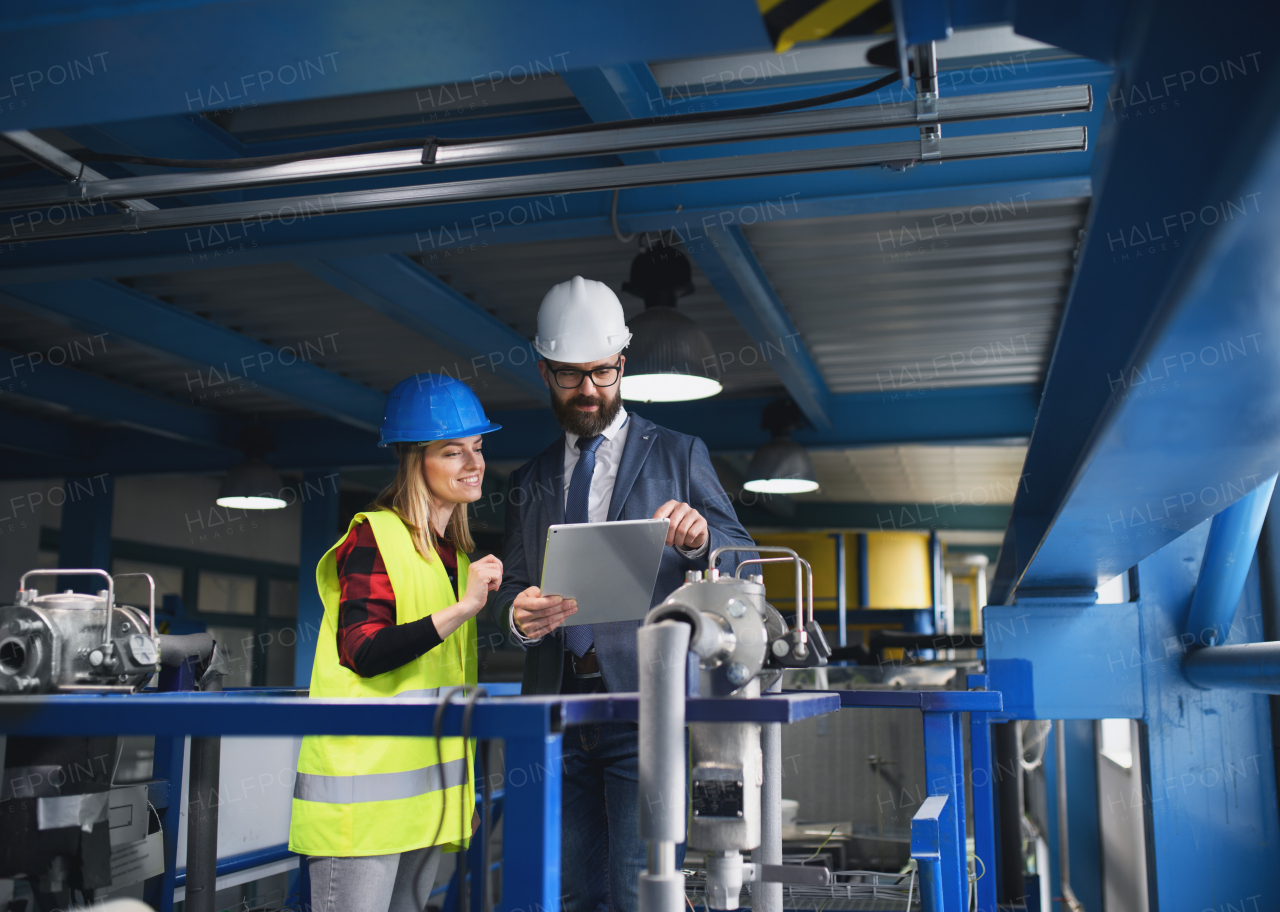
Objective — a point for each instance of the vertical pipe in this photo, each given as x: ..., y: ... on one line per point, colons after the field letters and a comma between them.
x: 1233, y: 538
x: 864, y: 574
x: 767, y: 897
x: 202, y: 825
x: 319, y: 530
x: 167, y: 765
x: 983, y: 809
x: 842, y: 600
x: 663, y: 648
x: 1009, y: 807
x: 944, y: 775
x: 1064, y: 847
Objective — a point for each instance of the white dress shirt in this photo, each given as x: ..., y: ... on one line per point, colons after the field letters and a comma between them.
x: 603, y: 477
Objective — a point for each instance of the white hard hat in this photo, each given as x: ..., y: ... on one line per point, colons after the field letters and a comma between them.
x: 581, y: 321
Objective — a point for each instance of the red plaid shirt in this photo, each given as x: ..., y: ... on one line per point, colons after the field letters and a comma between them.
x: 370, y: 641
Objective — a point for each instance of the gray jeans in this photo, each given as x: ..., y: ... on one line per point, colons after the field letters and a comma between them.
x: 374, y: 883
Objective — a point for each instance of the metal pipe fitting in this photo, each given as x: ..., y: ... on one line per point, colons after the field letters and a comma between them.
x: 1233, y: 538
x: 1252, y: 667
x: 663, y: 648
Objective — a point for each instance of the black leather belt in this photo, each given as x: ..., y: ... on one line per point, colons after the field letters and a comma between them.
x: 586, y: 666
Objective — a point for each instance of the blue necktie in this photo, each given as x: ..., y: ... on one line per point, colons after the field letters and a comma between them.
x: 579, y: 638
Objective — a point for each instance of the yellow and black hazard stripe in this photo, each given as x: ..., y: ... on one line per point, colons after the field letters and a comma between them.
x: 792, y: 21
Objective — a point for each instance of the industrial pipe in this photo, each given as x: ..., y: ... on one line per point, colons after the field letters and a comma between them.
x: 202, y: 824
x: 1064, y: 843
x: 1233, y: 538
x: 663, y: 649
x: 1253, y: 667
x: 767, y: 897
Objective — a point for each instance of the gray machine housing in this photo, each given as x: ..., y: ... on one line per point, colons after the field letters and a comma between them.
x: 62, y: 642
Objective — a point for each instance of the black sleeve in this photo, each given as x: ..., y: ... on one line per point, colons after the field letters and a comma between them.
x: 394, y: 646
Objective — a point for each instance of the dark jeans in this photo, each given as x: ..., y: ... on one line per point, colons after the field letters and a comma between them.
x: 602, y: 853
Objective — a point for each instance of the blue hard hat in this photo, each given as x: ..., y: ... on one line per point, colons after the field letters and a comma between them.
x: 432, y: 407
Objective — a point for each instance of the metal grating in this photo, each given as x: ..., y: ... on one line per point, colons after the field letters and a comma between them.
x: 927, y: 299
x: 509, y: 280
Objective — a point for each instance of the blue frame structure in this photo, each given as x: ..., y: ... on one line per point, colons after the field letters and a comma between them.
x: 531, y: 728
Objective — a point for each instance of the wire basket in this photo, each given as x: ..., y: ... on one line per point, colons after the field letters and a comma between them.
x: 849, y: 891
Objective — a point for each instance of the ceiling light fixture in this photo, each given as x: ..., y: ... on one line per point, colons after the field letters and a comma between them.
x: 781, y: 466
x: 253, y: 485
x: 670, y: 357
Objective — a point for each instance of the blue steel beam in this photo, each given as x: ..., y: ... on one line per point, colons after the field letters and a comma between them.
x: 401, y: 289
x: 172, y: 333
x: 34, y: 436
x: 225, y: 53
x: 968, y: 415
x: 1162, y: 402
x: 683, y: 209
x: 960, y: 415
x: 616, y: 93
x: 94, y: 397
x: 728, y: 261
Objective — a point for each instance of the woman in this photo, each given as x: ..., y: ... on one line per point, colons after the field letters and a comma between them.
x: 375, y: 814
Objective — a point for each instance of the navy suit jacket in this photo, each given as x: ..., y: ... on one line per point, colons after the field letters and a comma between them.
x: 657, y: 465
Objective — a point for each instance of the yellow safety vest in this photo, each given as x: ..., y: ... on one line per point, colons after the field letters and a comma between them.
x: 361, y: 795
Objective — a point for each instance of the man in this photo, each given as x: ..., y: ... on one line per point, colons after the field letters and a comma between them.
x: 609, y: 465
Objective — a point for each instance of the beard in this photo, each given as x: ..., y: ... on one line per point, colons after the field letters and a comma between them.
x: 586, y: 424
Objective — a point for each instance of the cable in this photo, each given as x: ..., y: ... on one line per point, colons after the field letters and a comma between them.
x: 1042, y: 741
x: 613, y: 220
x: 468, y: 808
x: 89, y: 155
x: 437, y: 723
x: 824, y: 844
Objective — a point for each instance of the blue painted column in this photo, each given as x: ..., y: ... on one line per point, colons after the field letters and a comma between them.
x: 1212, y: 803
x: 319, y: 495
x: 984, y: 800
x: 1083, y: 833
x: 85, y: 539
x: 532, y: 791
x: 944, y: 775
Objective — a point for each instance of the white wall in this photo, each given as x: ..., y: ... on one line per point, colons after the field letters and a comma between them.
x: 178, y: 511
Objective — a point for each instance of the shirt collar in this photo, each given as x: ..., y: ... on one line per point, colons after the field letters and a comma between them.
x: 571, y: 439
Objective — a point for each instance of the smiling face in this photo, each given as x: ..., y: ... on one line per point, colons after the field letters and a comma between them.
x: 454, y: 469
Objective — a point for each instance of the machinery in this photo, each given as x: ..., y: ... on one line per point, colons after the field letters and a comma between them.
x: 716, y: 636
x: 71, y: 641
x: 62, y: 805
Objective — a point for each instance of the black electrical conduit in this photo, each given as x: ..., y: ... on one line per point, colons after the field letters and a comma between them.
x: 386, y: 144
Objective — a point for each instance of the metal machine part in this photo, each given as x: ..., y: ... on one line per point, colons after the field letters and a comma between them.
x: 740, y: 642
x: 76, y: 642
x: 662, y: 648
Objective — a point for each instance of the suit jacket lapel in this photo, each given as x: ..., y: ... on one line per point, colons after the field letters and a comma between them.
x: 551, y: 473
x: 639, y: 440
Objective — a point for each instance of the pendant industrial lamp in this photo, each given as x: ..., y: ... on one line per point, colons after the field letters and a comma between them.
x: 670, y: 359
x: 781, y: 466
x: 253, y: 485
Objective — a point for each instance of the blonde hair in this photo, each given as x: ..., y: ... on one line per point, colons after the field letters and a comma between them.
x: 409, y: 497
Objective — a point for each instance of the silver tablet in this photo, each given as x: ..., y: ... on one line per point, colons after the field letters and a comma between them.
x: 609, y: 567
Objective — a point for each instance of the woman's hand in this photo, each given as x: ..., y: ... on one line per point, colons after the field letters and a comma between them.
x: 484, y: 576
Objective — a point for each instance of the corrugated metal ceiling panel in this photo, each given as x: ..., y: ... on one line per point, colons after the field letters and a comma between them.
x: 924, y: 299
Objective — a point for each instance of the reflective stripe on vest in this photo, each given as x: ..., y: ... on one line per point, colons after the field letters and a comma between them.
x: 380, y: 786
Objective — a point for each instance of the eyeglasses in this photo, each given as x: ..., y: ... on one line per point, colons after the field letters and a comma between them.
x: 568, y: 378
